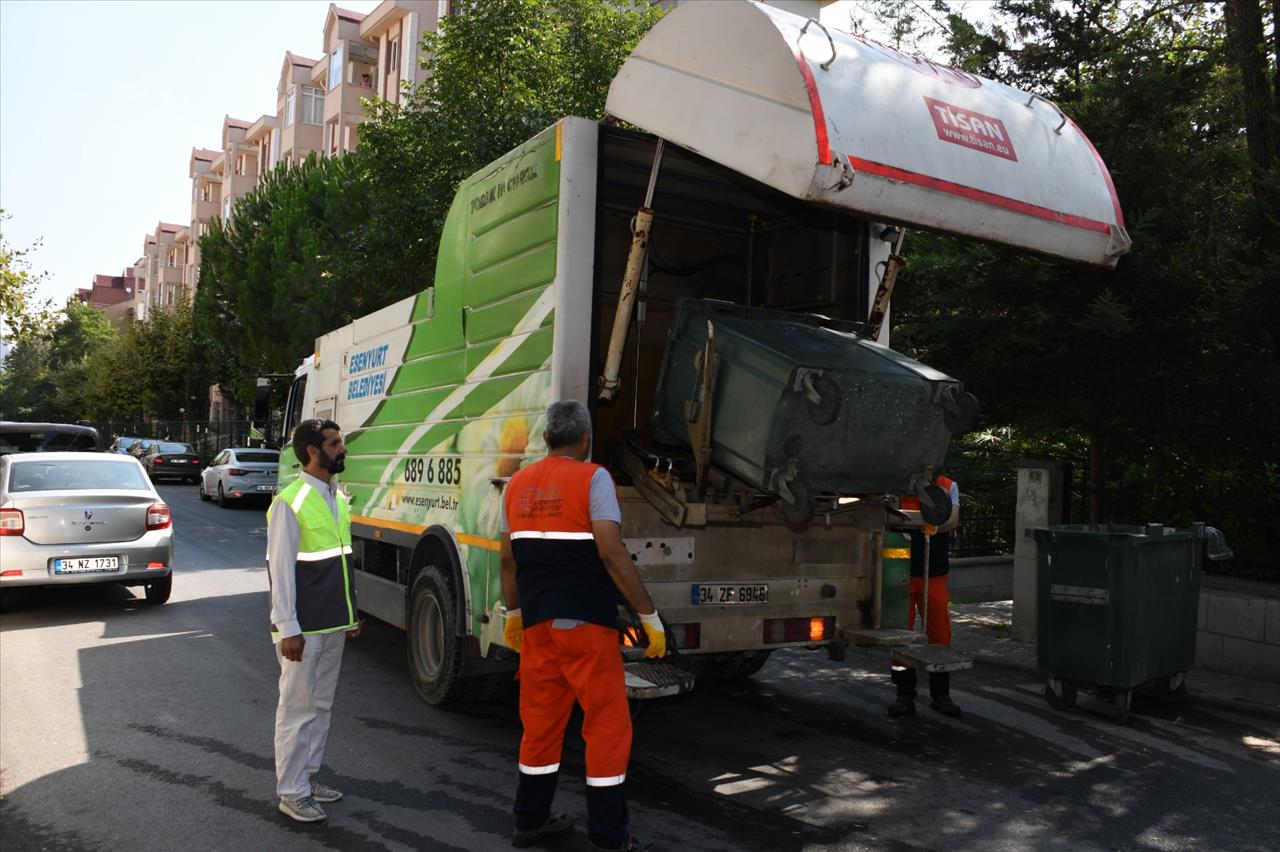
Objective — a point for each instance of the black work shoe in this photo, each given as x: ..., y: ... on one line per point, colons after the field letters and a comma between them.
x: 556, y: 825
x: 944, y: 705
x: 904, y: 706
x: 633, y: 844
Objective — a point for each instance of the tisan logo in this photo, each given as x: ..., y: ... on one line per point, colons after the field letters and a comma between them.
x: 971, y: 129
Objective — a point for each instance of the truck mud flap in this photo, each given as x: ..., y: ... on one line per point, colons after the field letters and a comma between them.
x: 654, y: 679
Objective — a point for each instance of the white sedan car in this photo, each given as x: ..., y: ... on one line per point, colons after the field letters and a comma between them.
x: 70, y: 518
x: 240, y: 472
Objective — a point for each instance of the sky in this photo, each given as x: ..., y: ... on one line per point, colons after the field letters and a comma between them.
x: 102, y: 102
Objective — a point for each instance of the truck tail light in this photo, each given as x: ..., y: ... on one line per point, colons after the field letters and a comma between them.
x: 158, y: 517
x: 780, y: 630
x: 686, y: 635
x: 12, y: 522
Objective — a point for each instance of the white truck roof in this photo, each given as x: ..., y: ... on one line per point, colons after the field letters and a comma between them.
x: 829, y: 117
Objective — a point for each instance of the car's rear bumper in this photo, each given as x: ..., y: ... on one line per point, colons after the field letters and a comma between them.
x: 35, y: 561
x: 239, y: 488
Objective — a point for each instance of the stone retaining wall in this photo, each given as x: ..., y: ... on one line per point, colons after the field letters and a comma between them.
x: 1239, y: 627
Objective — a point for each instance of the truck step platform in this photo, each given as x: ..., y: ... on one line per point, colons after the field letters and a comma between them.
x: 654, y: 679
x: 881, y: 637
x: 932, y: 658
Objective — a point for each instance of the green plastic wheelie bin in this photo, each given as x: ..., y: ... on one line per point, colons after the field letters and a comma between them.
x: 1116, y: 609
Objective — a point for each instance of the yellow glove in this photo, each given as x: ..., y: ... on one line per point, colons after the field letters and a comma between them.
x: 652, y: 625
x: 513, y: 630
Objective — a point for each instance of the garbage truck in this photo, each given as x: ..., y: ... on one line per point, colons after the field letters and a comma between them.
x: 710, y: 269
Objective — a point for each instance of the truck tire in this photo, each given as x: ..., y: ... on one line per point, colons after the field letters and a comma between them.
x: 437, y: 654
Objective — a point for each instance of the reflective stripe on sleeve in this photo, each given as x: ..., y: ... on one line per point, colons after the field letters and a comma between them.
x: 554, y: 536
x: 328, y: 553
x: 541, y: 770
x: 606, y: 781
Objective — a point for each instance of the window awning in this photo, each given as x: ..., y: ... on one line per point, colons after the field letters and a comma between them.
x: 839, y: 120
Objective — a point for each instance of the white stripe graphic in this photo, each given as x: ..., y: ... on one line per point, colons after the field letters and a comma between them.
x: 556, y: 536
x: 300, y: 496
x: 319, y: 555
x: 532, y: 319
x: 539, y: 770
x: 606, y: 781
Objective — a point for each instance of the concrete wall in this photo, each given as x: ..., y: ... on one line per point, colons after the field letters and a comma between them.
x: 975, y: 579
x: 1239, y: 628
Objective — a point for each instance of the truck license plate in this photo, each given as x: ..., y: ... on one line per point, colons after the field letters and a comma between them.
x: 707, y: 593
x: 85, y: 565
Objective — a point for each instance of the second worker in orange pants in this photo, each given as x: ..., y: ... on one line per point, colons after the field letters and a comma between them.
x: 563, y: 567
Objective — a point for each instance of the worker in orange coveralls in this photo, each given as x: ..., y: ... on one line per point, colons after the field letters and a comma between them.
x: 938, y: 619
x: 563, y: 565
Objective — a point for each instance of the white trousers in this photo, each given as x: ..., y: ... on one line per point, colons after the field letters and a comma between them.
x: 302, y: 717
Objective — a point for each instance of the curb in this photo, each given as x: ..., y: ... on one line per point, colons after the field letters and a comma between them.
x: 1193, y: 697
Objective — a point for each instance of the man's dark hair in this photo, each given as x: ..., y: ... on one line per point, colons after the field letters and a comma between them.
x: 310, y: 433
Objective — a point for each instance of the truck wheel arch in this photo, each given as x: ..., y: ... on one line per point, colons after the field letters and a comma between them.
x: 438, y: 547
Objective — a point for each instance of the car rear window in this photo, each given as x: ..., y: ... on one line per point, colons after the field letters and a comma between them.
x: 46, y: 441
x: 175, y: 448
x: 258, y: 457
x: 27, y: 476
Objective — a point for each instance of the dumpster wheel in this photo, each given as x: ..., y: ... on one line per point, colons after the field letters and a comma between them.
x: 1065, y: 701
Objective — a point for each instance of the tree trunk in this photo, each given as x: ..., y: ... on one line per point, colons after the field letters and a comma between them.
x: 1249, y: 44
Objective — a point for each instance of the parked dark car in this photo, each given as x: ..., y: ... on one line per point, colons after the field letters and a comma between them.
x: 171, y: 460
x: 18, y: 437
x: 124, y: 444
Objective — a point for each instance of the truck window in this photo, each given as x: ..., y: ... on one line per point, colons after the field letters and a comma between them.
x: 293, y: 411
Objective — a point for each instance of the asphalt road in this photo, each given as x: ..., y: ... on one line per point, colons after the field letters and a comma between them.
x: 129, y: 727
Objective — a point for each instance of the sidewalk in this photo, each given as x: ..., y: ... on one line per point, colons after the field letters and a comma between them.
x: 984, y: 629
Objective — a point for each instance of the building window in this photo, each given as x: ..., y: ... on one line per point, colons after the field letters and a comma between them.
x: 203, y: 228
x: 393, y: 56
x: 206, y: 191
x: 226, y: 208
x: 171, y: 258
x: 335, y: 67
x: 312, y: 105
x: 289, y: 107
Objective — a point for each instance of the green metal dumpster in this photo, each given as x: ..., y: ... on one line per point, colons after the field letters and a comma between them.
x: 1116, y: 608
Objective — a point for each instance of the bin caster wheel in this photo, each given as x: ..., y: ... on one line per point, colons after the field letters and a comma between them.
x: 1172, y: 689
x: 1120, y: 702
x: 1064, y: 701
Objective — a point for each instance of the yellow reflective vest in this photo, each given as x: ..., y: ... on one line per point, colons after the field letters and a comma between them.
x: 326, y: 592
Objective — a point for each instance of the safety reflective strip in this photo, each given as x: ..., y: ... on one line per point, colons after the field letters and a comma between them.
x: 606, y: 781
x: 896, y: 553
x: 541, y: 770
x: 557, y: 536
x: 303, y: 491
x: 319, y: 555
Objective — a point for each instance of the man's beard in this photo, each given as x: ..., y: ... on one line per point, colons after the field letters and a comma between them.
x: 337, y: 464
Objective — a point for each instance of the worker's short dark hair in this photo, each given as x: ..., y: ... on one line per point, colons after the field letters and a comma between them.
x: 567, y: 421
x: 310, y: 433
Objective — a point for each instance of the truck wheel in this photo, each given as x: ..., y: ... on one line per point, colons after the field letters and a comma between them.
x: 436, y: 652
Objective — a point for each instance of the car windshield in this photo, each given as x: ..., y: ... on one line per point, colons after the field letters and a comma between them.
x: 27, y: 476
x: 257, y: 457
x: 175, y: 448
x: 46, y: 441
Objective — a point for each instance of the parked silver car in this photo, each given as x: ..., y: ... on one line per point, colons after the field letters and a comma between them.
x: 83, y: 518
x: 240, y: 472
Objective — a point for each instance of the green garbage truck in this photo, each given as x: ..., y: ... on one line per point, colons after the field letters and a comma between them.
x: 710, y: 269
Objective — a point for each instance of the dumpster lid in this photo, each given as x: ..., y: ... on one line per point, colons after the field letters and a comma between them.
x: 841, y: 120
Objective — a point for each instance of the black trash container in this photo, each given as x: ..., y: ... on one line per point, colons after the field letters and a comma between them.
x: 1116, y: 608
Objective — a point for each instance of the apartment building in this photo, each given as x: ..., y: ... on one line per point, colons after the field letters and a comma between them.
x: 347, y: 75
x: 121, y: 297
x: 237, y: 164
x: 164, y: 259
x: 299, y: 110
x: 395, y: 29
x: 206, y: 203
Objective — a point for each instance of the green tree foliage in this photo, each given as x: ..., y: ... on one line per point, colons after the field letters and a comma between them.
x: 22, y: 316
x: 1167, y: 365
x: 321, y: 243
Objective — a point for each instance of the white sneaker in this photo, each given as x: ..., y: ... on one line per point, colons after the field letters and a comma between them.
x: 324, y: 793
x: 303, y: 809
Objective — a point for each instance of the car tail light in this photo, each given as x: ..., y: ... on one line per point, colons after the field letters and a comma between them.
x: 816, y: 629
x: 159, y: 460
x: 237, y: 471
x: 12, y: 572
x: 158, y: 517
x: 155, y: 564
x: 12, y: 522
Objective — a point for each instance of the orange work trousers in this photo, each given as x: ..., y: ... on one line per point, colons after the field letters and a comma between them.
x: 937, y: 626
x: 558, y: 667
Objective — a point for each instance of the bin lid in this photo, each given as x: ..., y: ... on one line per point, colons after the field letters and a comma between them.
x: 841, y: 120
